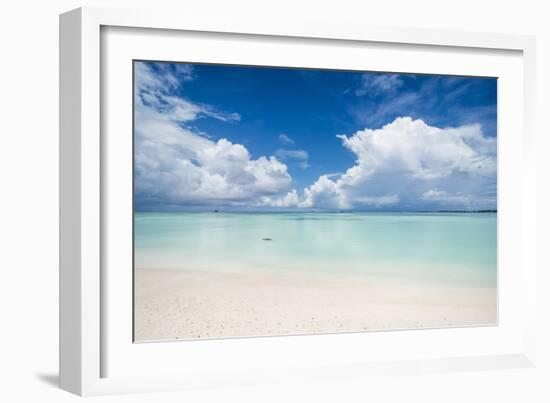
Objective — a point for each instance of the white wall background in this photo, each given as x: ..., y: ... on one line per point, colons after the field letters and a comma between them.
x: 29, y: 202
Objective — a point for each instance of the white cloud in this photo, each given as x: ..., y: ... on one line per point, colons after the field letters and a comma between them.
x: 408, y: 156
x: 291, y: 199
x: 374, y: 84
x: 285, y: 154
x: 457, y: 199
x: 154, y: 89
x: 325, y: 193
x: 304, y: 164
x: 294, y: 157
x: 378, y: 201
x: 284, y: 139
x: 420, y: 150
x: 176, y: 165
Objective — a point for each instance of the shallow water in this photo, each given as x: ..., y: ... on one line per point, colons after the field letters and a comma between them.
x: 448, y: 248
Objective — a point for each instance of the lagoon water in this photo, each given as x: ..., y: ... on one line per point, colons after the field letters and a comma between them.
x: 457, y: 249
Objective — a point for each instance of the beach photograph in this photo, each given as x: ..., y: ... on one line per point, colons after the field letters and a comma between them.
x: 277, y: 201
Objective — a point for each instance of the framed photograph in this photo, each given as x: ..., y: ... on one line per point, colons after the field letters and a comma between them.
x: 249, y: 202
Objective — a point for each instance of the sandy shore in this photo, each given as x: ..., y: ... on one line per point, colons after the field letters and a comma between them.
x: 174, y: 304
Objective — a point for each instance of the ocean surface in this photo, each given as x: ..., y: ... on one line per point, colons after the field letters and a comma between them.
x: 458, y: 249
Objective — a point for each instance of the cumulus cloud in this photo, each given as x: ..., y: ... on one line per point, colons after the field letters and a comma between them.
x: 291, y: 199
x: 410, y: 157
x: 174, y: 164
x: 325, y: 193
x: 420, y: 150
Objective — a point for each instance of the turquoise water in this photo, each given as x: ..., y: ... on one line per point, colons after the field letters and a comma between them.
x: 454, y: 248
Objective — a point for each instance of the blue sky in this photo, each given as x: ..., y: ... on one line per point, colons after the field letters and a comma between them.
x: 276, y: 138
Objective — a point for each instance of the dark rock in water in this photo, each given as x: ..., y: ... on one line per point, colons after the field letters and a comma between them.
x: 267, y: 239
x: 216, y: 211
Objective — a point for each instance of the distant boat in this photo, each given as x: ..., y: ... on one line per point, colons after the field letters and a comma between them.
x: 267, y: 239
x: 216, y: 211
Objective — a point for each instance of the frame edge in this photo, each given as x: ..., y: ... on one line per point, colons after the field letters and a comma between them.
x: 70, y: 293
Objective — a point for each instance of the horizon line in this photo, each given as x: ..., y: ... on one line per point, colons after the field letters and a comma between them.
x: 336, y: 211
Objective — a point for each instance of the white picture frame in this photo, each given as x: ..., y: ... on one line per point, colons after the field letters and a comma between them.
x: 86, y: 346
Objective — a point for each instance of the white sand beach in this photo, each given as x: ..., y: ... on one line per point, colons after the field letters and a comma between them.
x: 184, y: 304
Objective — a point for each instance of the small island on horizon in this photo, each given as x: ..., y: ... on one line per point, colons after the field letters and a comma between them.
x: 467, y: 211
